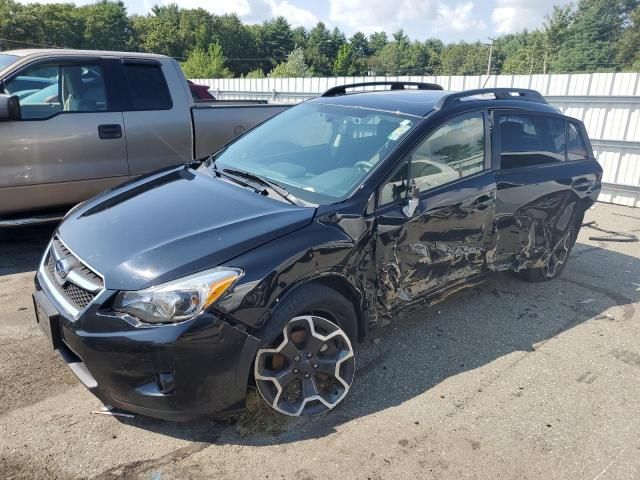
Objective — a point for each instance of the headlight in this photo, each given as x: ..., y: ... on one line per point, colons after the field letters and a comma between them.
x: 178, y: 300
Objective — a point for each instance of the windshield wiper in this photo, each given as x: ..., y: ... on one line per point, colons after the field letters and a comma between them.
x: 279, y: 189
x: 235, y: 179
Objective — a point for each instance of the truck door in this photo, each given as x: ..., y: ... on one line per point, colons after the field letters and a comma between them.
x: 69, y: 144
x: 436, y: 212
x: 544, y: 169
x: 157, y: 119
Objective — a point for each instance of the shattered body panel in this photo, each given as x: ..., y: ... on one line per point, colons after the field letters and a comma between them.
x: 536, y: 209
x: 446, y: 240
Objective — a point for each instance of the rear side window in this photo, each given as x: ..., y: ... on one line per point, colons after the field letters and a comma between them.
x: 147, y: 87
x: 528, y: 140
x: 576, y: 149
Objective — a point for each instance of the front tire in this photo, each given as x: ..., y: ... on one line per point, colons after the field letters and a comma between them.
x: 307, y: 364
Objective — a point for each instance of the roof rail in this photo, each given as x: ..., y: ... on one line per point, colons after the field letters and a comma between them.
x: 525, y: 94
x: 395, y: 85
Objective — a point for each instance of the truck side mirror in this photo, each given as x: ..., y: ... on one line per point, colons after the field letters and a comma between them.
x: 9, y: 107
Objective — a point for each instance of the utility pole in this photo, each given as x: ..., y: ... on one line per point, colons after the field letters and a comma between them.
x: 490, y: 56
x: 490, y: 45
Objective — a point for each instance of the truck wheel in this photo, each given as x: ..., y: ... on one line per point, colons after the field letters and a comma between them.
x: 556, y: 261
x: 306, y: 364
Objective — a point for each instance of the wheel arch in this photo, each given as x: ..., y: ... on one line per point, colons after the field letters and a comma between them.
x: 340, y: 283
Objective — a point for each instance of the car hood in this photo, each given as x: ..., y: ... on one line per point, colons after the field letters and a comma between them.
x: 173, y: 224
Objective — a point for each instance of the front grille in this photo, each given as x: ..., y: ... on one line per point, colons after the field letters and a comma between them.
x: 77, y: 296
x: 82, y: 269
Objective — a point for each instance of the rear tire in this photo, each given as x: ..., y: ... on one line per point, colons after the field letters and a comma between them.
x: 556, y: 262
x: 306, y: 363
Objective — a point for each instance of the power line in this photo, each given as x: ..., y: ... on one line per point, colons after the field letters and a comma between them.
x: 29, y: 43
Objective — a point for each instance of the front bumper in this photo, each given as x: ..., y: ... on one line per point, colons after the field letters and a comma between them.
x: 175, y: 372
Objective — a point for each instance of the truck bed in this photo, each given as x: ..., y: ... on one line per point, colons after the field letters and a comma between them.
x: 214, y: 124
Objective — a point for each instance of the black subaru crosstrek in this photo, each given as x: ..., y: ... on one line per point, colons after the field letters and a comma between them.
x: 263, y: 264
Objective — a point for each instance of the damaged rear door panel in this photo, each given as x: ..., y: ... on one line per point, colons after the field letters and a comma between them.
x: 545, y: 181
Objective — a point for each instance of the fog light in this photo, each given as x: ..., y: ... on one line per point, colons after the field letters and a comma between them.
x: 165, y: 382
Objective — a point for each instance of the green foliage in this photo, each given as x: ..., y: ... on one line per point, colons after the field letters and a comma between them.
x: 275, y: 39
x: 592, y: 37
x: 587, y: 36
x: 293, y: 67
x: 344, y: 64
x: 209, y: 64
x: 257, y: 73
x: 464, y: 59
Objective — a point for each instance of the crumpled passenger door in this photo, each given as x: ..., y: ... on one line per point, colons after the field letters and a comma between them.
x: 444, y: 242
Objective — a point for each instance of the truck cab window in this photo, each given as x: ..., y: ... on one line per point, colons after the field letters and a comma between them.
x: 50, y: 89
x: 528, y: 140
x: 147, y: 87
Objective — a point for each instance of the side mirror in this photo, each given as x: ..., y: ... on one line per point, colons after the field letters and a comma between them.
x: 9, y: 107
x: 412, y: 203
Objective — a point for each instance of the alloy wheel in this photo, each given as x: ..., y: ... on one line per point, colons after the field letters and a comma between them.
x: 310, y: 368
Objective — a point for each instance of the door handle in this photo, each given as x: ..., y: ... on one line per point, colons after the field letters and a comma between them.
x: 582, y: 183
x: 109, y: 132
x: 483, y: 201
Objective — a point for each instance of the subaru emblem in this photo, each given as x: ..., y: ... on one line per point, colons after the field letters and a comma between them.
x: 60, y: 270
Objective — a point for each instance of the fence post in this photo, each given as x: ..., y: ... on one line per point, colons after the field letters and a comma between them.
x: 274, y: 95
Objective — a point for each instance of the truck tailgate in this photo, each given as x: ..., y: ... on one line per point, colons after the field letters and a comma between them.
x: 216, y: 125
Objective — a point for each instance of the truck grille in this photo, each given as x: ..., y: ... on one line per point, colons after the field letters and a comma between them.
x: 80, y: 285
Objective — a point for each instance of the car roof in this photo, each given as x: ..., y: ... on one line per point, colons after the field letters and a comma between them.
x: 422, y: 102
x: 64, y: 51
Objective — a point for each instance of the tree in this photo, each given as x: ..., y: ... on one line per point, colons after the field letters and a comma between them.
x: 293, y: 67
x: 162, y: 32
x: 556, y: 28
x: 195, y: 28
x: 300, y: 36
x: 275, y: 40
x: 257, y: 73
x: 209, y: 64
x: 319, y: 48
x: 360, y: 45
x: 106, y: 25
x: 464, y: 59
x: 344, y: 64
x: 629, y: 44
x: 377, y: 41
x: 240, y: 43
x: 592, y: 38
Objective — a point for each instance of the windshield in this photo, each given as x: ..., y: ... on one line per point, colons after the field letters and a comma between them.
x: 319, y: 153
x: 6, y: 60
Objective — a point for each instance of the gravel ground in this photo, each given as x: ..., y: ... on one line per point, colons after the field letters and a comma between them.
x: 508, y: 380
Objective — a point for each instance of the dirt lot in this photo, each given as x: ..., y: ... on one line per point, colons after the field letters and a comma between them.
x: 507, y: 380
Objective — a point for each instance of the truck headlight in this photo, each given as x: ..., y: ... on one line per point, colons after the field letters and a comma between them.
x: 178, y: 300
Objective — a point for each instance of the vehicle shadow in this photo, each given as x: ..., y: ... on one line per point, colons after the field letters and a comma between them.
x: 21, y: 248
x: 468, y: 330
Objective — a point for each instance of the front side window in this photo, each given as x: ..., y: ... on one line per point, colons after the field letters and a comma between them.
x: 454, y: 150
x: 6, y: 60
x: 147, y: 87
x: 319, y: 152
x: 528, y: 140
x: 48, y: 89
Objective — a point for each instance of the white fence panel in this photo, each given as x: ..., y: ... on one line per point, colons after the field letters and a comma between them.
x: 608, y: 104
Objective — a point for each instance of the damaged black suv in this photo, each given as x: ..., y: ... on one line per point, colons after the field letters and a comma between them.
x: 263, y: 265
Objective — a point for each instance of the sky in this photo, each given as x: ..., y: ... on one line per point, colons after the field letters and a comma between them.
x: 449, y: 20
